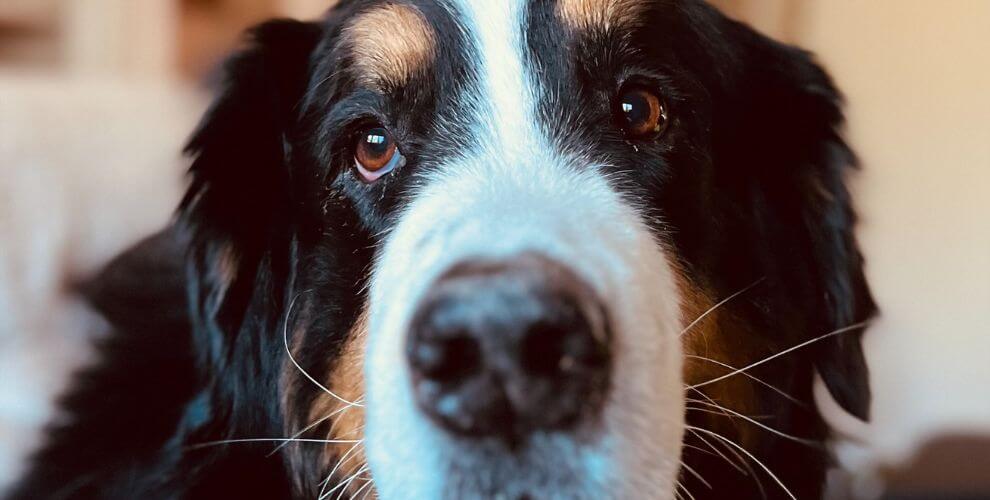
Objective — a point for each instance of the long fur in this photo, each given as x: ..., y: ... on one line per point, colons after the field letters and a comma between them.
x: 750, y: 188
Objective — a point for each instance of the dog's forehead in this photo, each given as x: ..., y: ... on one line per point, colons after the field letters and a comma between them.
x: 392, y: 41
x: 599, y: 14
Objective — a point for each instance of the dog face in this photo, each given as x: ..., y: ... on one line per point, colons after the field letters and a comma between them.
x: 481, y: 248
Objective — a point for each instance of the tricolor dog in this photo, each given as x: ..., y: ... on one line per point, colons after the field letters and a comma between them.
x: 455, y: 249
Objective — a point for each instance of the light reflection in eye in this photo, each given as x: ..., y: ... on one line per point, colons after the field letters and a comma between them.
x: 376, y: 154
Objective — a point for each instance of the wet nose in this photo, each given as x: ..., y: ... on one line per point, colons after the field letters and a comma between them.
x: 508, y: 348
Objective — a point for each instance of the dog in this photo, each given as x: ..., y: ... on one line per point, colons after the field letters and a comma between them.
x: 475, y: 249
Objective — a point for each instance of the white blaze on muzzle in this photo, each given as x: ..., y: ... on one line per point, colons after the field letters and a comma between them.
x: 481, y: 211
x: 516, y: 195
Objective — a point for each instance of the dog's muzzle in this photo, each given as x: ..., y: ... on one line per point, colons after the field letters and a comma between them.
x: 505, y: 348
x: 522, y: 341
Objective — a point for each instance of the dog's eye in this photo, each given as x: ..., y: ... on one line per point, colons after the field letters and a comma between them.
x: 642, y: 113
x: 376, y: 154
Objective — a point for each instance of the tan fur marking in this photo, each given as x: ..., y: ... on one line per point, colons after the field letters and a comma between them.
x: 717, y: 337
x: 598, y: 14
x: 390, y: 44
x: 227, y: 264
x: 346, y: 381
x: 346, y: 422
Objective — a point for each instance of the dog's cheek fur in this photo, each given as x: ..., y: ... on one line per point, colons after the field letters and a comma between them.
x: 713, y: 340
x: 727, y: 339
x: 781, y: 165
x: 347, y: 381
x: 337, y: 417
x: 237, y: 207
x: 778, y: 210
x: 240, y: 259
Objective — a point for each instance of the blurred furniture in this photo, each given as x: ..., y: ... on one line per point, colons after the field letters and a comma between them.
x: 136, y: 39
x: 88, y: 165
x: 951, y: 467
x: 27, y: 32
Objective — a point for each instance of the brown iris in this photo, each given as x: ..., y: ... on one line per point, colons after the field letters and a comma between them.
x: 641, y: 112
x: 375, y: 149
x: 376, y: 153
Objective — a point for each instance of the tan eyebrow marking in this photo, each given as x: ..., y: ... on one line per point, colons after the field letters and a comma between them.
x: 599, y: 14
x: 390, y: 44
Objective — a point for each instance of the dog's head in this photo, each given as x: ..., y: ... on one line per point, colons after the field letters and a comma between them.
x: 527, y: 250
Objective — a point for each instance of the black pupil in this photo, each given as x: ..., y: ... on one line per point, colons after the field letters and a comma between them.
x: 636, y: 108
x: 376, y: 142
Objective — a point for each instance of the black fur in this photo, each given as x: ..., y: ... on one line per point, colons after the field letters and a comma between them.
x: 122, y: 410
x: 749, y: 181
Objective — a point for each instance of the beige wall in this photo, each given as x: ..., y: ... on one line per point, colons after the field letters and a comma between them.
x: 305, y: 9
x: 778, y: 18
x: 143, y: 39
x: 917, y: 77
x: 918, y: 82
x: 209, y: 31
x: 101, y: 37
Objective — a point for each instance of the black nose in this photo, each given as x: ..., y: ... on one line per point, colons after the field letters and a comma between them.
x: 507, y: 348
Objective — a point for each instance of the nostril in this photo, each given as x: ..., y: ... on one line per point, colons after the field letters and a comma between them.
x: 544, y: 350
x: 446, y: 359
x: 561, y: 344
x: 507, y: 348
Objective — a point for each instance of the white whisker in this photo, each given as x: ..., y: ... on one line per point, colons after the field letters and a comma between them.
x: 717, y: 451
x: 752, y: 377
x: 748, y: 472
x: 367, y: 483
x: 270, y: 440
x: 343, y: 458
x: 370, y: 490
x: 782, y: 353
x: 300, y: 433
x: 807, y: 442
x: 685, y: 490
x: 748, y: 454
x: 354, y: 477
x: 706, y: 396
x: 285, y: 337
x: 696, y: 474
x: 342, y: 486
x: 723, y: 413
x: 716, y: 306
x: 310, y: 426
x: 698, y: 449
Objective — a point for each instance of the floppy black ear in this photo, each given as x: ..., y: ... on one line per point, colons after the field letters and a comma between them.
x: 238, y: 200
x: 777, y: 137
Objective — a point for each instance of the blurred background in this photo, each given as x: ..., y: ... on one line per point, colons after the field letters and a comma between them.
x: 97, y: 97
